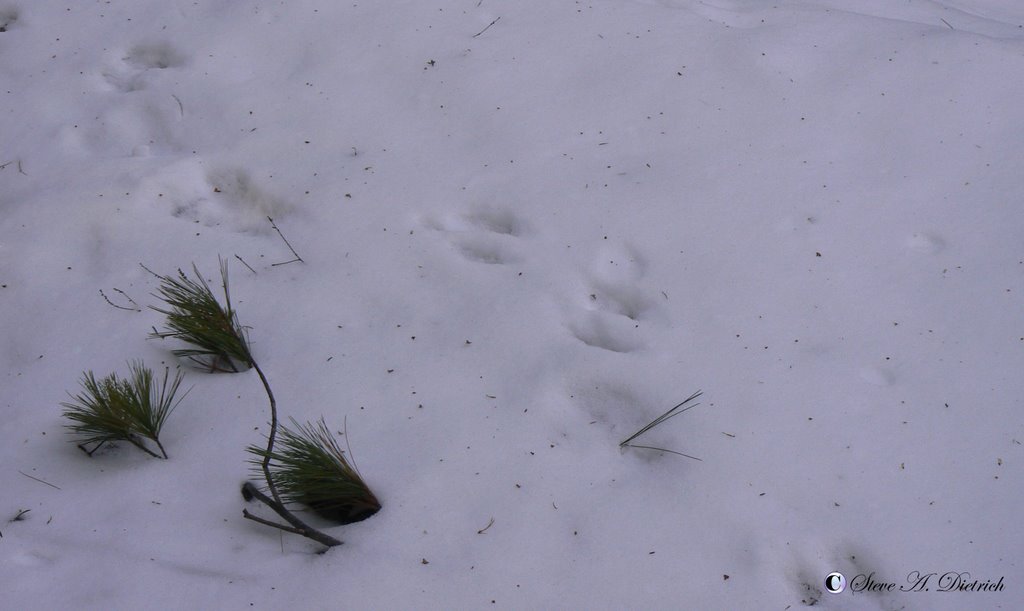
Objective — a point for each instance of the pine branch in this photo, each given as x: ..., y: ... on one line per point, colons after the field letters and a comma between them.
x: 114, y: 409
x: 196, y: 317
x: 310, y: 468
x: 274, y: 501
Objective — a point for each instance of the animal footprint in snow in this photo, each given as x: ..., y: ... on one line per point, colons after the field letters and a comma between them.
x: 227, y: 196
x: 7, y: 18
x: 246, y: 203
x: 599, y: 331
x: 611, y: 405
x: 150, y: 56
x: 134, y: 68
x: 496, y: 220
x: 624, y: 300
x: 486, y: 234
x: 483, y: 250
x: 615, y: 283
x: 616, y: 302
x: 31, y: 559
x: 139, y: 125
x: 619, y: 264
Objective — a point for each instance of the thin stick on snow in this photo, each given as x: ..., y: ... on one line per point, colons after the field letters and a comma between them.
x: 487, y: 28
x: 297, y: 257
x: 297, y: 527
x: 107, y: 299
x: 181, y: 107
x: 39, y: 480
x: 18, y: 162
x: 255, y: 518
x: 246, y: 264
x: 156, y: 275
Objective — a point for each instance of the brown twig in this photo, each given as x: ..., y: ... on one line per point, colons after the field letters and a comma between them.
x: 18, y: 161
x: 297, y: 527
x: 155, y: 275
x: 271, y: 523
x: 487, y: 28
x: 297, y: 257
x: 181, y: 107
x: 265, y: 465
x: 135, y: 309
x: 246, y: 264
x: 39, y: 480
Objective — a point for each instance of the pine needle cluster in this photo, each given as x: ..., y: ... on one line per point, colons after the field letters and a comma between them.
x: 114, y: 409
x: 675, y: 411
x: 306, y: 467
x: 197, y: 318
x: 309, y: 468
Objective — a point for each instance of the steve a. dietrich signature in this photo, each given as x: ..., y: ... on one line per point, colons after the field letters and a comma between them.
x: 950, y: 581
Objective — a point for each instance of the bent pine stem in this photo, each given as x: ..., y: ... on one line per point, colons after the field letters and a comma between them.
x: 297, y: 526
x: 274, y: 500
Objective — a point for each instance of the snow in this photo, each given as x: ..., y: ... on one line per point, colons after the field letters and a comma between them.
x: 519, y: 248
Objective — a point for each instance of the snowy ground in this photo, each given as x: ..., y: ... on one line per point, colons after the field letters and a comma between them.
x: 521, y: 246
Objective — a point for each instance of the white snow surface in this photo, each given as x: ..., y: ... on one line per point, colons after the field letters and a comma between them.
x: 528, y: 229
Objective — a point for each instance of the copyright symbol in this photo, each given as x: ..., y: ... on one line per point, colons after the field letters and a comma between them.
x: 835, y: 582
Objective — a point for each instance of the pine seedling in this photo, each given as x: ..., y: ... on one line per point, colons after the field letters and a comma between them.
x: 219, y: 342
x: 114, y: 409
x: 675, y: 411
x: 309, y: 468
x: 196, y: 317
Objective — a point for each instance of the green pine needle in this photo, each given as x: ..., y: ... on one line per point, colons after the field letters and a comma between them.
x: 114, y: 409
x: 197, y: 318
x: 309, y: 468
